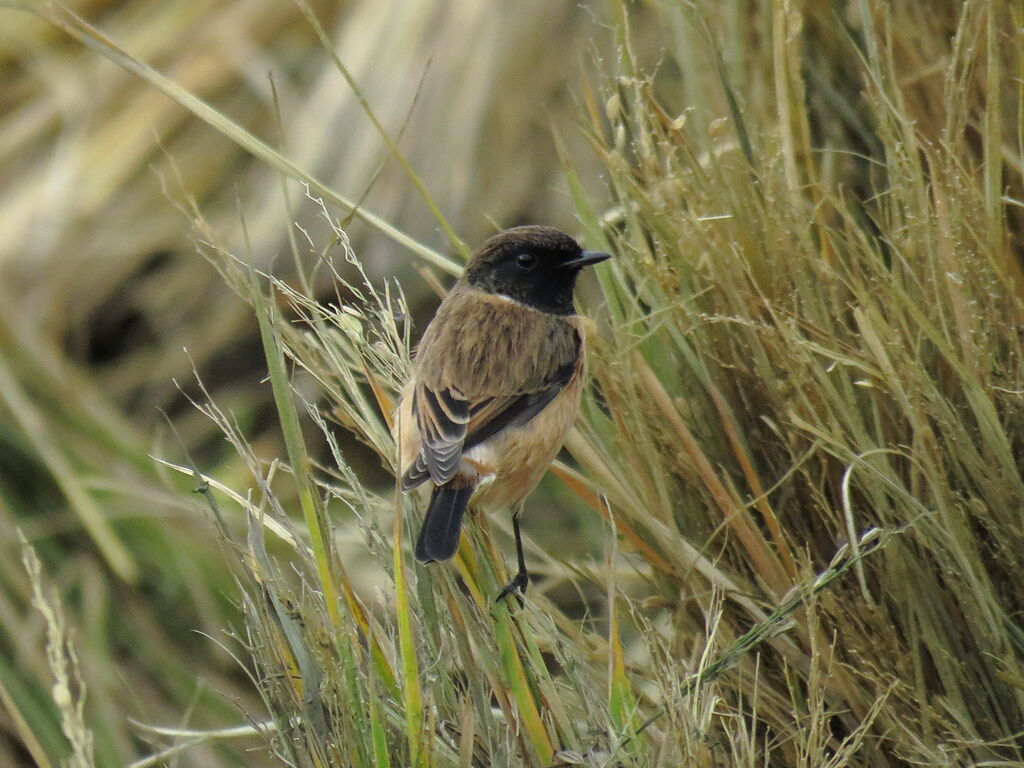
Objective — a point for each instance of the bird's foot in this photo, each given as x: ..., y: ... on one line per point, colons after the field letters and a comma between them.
x: 515, y: 587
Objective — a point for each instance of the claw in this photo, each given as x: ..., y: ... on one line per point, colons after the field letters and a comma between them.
x: 515, y: 587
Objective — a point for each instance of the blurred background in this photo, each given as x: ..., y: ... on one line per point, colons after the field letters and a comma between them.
x: 97, y: 255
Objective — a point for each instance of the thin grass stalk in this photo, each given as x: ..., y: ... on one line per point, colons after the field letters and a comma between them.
x: 410, y: 172
x: 85, y: 33
x: 622, y: 703
x: 992, y: 129
x: 514, y: 678
x: 411, y: 693
x: 298, y: 457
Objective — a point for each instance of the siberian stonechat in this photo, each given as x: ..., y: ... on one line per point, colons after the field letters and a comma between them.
x: 496, y: 385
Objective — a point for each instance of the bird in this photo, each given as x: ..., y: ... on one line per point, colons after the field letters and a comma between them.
x: 495, y: 386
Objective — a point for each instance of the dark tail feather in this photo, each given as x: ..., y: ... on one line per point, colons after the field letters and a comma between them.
x: 439, y: 536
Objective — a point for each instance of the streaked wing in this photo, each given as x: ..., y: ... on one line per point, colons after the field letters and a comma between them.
x: 444, y: 438
x: 442, y: 417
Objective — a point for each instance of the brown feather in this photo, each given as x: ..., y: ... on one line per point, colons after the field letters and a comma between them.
x: 488, y: 346
x: 496, y: 383
x: 491, y: 352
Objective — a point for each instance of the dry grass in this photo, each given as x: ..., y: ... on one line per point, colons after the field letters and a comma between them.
x: 101, y: 288
x: 789, y: 529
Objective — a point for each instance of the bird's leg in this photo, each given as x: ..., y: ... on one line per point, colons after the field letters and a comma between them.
x: 522, y: 578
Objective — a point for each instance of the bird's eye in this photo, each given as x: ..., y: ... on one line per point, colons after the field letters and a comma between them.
x: 526, y: 261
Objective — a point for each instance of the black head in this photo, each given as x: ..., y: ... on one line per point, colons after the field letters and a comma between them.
x: 536, y: 266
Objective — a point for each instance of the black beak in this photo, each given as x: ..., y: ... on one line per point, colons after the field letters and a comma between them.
x: 585, y: 259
